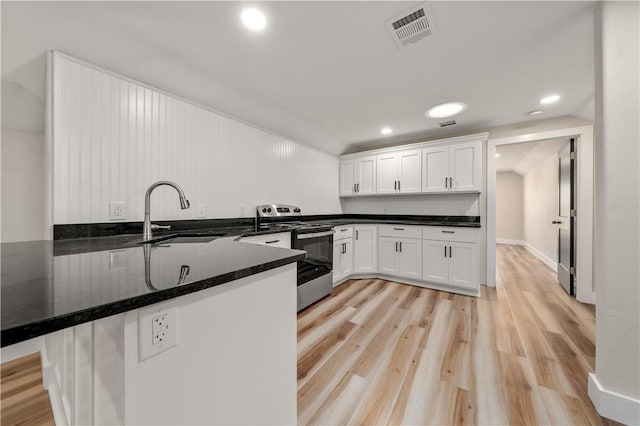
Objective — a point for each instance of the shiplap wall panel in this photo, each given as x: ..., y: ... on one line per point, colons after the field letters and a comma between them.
x: 113, y: 137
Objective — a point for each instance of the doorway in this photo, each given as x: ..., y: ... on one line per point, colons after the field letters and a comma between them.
x: 583, y: 136
x: 535, y: 202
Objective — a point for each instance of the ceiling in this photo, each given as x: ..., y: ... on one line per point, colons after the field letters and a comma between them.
x: 521, y: 158
x: 326, y: 74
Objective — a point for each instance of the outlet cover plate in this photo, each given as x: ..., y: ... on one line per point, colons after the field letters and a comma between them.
x: 149, y: 346
x: 117, y: 210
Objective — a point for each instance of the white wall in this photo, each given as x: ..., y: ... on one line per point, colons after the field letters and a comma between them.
x: 441, y: 204
x: 541, y: 207
x: 617, y: 212
x: 113, y: 137
x: 509, y: 206
x: 22, y: 186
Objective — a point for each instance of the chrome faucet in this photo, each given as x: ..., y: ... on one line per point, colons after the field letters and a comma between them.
x: 148, y: 227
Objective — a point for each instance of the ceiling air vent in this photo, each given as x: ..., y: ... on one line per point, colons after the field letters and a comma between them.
x: 411, y: 26
x: 447, y: 123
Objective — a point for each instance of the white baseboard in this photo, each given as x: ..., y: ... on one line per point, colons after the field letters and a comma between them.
x: 543, y: 257
x: 510, y: 242
x: 613, y: 405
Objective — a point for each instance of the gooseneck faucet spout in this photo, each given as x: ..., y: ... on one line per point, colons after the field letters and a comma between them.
x: 148, y: 227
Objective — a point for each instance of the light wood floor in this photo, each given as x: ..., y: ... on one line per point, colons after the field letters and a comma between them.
x: 23, y: 401
x: 378, y: 352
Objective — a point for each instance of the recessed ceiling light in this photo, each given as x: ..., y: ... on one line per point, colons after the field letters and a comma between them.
x: 550, y: 99
x: 386, y: 130
x: 535, y: 112
x: 253, y: 19
x: 446, y: 110
x: 497, y: 155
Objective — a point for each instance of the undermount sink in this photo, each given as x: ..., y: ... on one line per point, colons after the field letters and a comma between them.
x: 185, y: 238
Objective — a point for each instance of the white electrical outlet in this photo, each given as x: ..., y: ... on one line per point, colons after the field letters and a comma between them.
x: 201, y: 211
x: 117, y: 210
x: 157, y: 329
x: 117, y: 259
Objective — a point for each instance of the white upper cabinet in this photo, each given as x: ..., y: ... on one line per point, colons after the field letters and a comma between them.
x: 435, y: 169
x: 465, y: 167
x: 400, y: 172
x: 451, y: 165
x: 358, y: 176
x: 452, y: 168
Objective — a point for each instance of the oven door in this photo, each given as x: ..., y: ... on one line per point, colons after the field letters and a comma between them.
x: 319, y: 259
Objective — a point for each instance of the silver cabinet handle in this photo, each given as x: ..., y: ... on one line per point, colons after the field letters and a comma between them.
x: 398, y: 229
x: 396, y: 246
x: 398, y: 185
x: 356, y: 234
x: 357, y: 187
x: 344, y: 230
x: 448, y: 232
x: 272, y: 242
x: 446, y: 182
x: 395, y: 185
x: 354, y: 188
x: 445, y: 251
x: 401, y: 246
x: 314, y: 235
x: 556, y: 222
x: 449, y: 251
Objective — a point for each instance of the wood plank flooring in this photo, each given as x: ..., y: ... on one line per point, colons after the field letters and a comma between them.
x: 379, y: 352
x: 23, y: 399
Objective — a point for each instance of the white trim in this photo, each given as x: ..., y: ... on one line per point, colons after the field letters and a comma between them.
x: 417, y: 145
x: 510, y: 242
x: 584, y: 222
x: 553, y: 265
x: 417, y: 283
x: 613, y: 405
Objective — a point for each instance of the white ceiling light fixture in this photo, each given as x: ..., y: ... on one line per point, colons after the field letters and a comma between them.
x: 550, y: 99
x: 497, y: 155
x: 386, y: 130
x: 535, y: 112
x: 447, y: 109
x: 253, y: 19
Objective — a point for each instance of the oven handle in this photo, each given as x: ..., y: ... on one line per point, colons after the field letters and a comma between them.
x: 314, y: 235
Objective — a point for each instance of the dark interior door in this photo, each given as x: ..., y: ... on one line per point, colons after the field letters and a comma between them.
x: 566, y: 217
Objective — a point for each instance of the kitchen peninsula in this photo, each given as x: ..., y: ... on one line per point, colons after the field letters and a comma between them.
x: 230, y: 309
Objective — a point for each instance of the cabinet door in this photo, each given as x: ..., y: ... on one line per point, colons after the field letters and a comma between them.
x: 463, y: 265
x: 387, y: 256
x: 366, y: 175
x: 410, y: 171
x: 465, y: 167
x: 337, y: 257
x: 347, y: 177
x: 346, y: 262
x: 387, y: 174
x: 435, y: 261
x: 410, y: 258
x: 365, y: 249
x: 435, y: 169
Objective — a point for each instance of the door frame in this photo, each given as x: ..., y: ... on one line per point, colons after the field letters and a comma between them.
x: 584, y: 202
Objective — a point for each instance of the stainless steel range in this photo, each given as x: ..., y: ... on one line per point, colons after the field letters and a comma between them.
x: 315, y: 270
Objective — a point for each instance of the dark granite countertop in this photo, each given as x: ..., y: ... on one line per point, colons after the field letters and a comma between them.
x: 51, y: 285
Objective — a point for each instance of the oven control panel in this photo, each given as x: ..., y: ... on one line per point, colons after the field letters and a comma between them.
x: 278, y: 210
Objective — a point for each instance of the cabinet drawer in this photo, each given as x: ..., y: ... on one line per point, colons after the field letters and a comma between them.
x: 342, y: 232
x: 281, y: 239
x: 450, y: 233
x: 402, y: 231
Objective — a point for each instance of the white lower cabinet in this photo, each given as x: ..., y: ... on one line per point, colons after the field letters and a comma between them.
x: 342, y: 255
x: 401, y: 257
x: 450, y: 263
x: 365, y: 249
